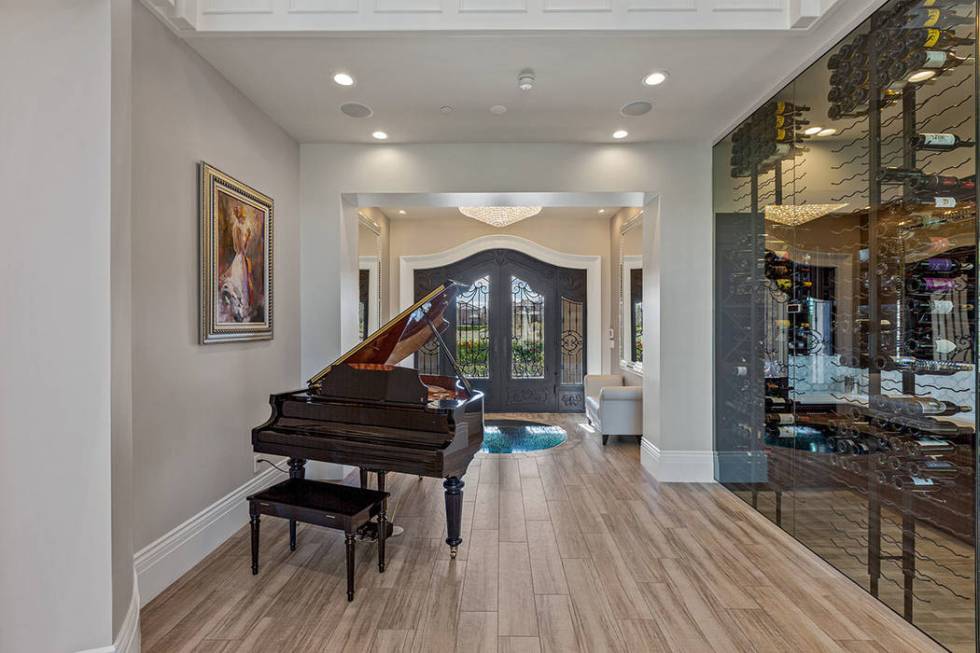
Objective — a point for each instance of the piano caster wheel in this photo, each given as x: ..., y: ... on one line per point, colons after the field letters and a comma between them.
x: 420, y: 478
x: 453, y: 550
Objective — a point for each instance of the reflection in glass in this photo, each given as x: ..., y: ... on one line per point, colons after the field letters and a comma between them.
x: 845, y: 313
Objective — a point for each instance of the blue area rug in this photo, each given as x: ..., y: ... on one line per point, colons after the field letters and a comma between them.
x: 516, y: 436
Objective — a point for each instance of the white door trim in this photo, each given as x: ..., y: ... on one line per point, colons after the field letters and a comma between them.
x: 591, y: 264
x: 373, y: 267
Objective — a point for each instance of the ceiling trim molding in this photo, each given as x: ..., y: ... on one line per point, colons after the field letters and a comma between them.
x: 201, y: 18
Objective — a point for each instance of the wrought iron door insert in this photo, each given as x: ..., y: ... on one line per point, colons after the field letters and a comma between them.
x: 519, y: 334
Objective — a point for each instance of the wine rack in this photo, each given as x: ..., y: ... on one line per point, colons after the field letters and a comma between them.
x: 846, y: 321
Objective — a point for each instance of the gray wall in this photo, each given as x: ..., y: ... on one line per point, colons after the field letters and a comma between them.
x: 55, y: 571
x: 677, y: 238
x: 193, y: 405
x: 122, y: 346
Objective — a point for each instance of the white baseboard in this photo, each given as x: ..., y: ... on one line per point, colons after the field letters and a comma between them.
x: 677, y: 466
x: 163, y: 561
x: 128, y: 639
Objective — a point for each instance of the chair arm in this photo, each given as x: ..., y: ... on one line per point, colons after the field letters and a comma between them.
x: 594, y: 383
x: 621, y: 393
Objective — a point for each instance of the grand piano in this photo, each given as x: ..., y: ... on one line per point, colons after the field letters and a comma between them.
x: 366, y: 410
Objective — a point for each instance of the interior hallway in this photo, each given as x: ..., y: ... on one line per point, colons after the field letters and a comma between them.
x: 570, y: 549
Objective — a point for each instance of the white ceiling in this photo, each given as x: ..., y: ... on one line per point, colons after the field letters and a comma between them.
x: 452, y: 213
x: 583, y: 79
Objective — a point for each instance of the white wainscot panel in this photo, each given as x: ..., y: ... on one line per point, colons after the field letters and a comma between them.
x: 578, y: 5
x: 323, y: 6
x: 408, y: 6
x: 662, y: 5
x: 749, y: 5
x: 237, y: 7
x: 491, y: 6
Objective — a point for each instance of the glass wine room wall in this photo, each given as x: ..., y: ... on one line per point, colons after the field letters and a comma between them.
x: 846, y: 293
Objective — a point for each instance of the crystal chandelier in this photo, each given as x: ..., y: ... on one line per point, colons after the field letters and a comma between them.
x: 499, y: 216
x: 797, y: 214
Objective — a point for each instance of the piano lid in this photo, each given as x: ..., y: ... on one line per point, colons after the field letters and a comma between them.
x: 402, y: 336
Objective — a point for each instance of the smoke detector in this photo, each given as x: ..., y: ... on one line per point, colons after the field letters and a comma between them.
x: 525, y: 81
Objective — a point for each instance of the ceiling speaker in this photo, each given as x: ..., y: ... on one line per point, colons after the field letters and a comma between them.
x: 636, y: 108
x: 356, y: 110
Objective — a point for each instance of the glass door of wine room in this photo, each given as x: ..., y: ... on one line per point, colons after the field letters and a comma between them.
x: 846, y: 311
x: 517, y: 330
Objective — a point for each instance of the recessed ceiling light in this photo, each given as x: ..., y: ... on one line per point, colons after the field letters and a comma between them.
x: 655, y: 78
x: 401, y: 211
x: 620, y: 134
x: 344, y: 79
x: 380, y: 135
x: 830, y: 131
x: 921, y: 76
x: 498, y: 109
x: 812, y: 131
x: 602, y: 210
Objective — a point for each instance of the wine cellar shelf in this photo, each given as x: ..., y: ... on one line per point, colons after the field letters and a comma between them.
x: 846, y: 311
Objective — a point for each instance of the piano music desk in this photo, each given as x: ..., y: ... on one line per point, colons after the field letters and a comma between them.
x: 324, y: 504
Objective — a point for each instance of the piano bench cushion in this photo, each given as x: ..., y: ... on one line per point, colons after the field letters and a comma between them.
x: 325, y: 504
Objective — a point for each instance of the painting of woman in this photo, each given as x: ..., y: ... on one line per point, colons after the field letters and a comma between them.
x: 238, y: 234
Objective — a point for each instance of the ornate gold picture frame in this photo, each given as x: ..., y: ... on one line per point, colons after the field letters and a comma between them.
x: 236, y: 259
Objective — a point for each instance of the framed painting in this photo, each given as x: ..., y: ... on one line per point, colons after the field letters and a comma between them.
x: 236, y: 259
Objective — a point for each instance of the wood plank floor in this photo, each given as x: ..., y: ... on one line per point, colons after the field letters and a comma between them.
x: 571, y: 549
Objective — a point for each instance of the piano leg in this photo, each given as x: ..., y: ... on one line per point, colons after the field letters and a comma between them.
x: 382, y: 535
x: 349, y: 544
x: 297, y: 469
x: 254, y: 522
x: 454, y: 513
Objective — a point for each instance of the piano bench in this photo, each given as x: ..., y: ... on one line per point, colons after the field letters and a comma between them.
x: 331, y: 505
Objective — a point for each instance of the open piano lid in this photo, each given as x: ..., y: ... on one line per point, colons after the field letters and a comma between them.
x: 401, y: 337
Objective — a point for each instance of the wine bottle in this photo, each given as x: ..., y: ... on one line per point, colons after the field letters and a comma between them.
x: 781, y: 107
x: 937, y: 201
x: 924, y: 347
x: 897, y: 174
x: 933, y: 60
x: 779, y: 404
x: 929, y: 446
x: 789, y: 122
x: 938, y: 306
x: 943, y: 264
x: 936, y: 38
x: 940, y: 142
x: 780, y: 431
x: 923, y: 183
x: 923, y: 366
x: 934, y: 284
x: 918, y: 406
x: 932, y: 467
x: 780, y: 418
x: 932, y: 17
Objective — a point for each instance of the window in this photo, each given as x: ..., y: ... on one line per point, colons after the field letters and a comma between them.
x: 527, y: 331
x: 473, y: 329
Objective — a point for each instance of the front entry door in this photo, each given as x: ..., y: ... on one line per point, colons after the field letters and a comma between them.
x: 517, y: 329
